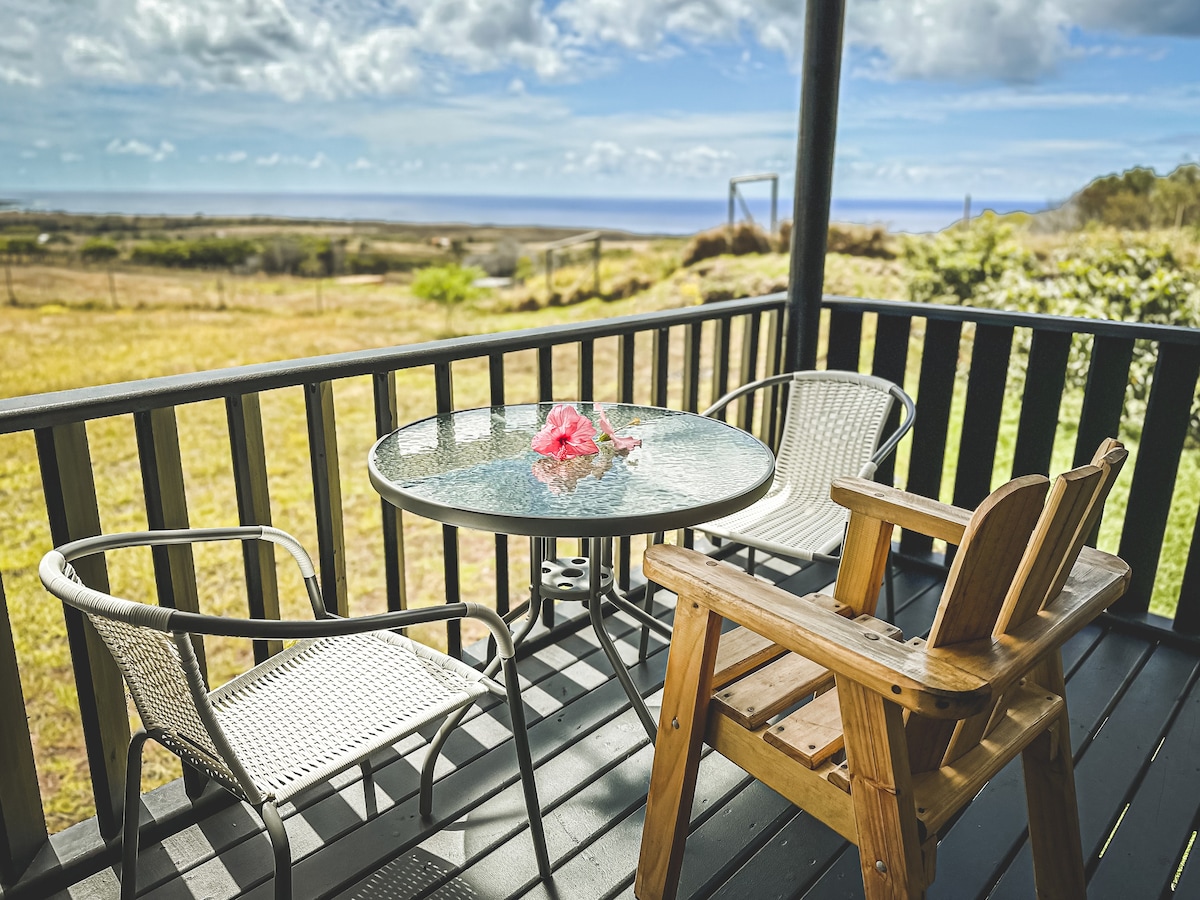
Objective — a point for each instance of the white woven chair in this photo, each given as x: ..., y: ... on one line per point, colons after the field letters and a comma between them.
x: 833, y: 427
x: 347, y: 688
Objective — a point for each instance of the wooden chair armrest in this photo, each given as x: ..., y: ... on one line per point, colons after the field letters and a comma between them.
x: 906, y: 675
x: 910, y: 511
x: 1097, y: 580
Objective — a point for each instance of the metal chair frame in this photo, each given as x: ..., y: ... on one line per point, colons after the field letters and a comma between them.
x: 194, y: 731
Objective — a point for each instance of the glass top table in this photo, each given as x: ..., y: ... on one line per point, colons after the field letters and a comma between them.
x: 475, y: 468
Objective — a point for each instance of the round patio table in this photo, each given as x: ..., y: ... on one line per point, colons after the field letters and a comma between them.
x: 476, y: 469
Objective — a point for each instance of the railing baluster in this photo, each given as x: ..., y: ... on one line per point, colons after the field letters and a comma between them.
x: 66, y: 466
x: 22, y: 822
x: 691, y: 367
x: 625, y: 375
x: 890, y: 361
x: 1045, y: 376
x: 1104, y: 395
x: 545, y: 374
x: 249, y: 453
x: 720, y: 362
x: 1187, y: 615
x: 387, y: 420
x: 496, y: 398
x: 661, y: 360
x: 443, y: 389
x: 1163, y: 434
x: 981, y: 416
x: 587, y: 370
x: 939, y: 359
x: 157, y: 433
x: 752, y: 328
x: 774, y: 360
x: 327, y: 495
x: 845, y: 340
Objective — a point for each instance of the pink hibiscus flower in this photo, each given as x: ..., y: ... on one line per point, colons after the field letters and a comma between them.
x: 619, y: 443
x: 566, y: 434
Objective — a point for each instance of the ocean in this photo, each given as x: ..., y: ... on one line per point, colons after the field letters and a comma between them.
x: 639, y: 215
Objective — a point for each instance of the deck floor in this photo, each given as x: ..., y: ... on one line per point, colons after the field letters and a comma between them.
x: 1135, y: 720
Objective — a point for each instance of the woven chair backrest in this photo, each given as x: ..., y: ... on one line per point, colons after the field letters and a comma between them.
x: 833, y: 425
x: 154, y: 671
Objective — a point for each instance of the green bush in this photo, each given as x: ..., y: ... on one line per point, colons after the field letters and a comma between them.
x: 202, y: 253
x: 1127, y: 282
x: 952, y: 267
x: 98, y: 250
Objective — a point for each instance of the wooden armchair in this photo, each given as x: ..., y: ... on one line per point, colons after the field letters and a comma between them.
x: 899, y: 735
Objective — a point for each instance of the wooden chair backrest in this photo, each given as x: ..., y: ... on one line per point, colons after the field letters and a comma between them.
x: 1015, y: 556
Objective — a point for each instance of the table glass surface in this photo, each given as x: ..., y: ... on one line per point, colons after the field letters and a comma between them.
x: 475, y: 468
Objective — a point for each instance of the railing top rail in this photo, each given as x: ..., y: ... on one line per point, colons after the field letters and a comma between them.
x: 1174, y: 334
x: 59, y: 407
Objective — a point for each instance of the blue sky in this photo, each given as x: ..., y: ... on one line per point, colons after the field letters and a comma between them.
x: 1003, y: 99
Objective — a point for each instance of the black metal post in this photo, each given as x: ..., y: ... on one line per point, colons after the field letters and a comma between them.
x: 814, y: 176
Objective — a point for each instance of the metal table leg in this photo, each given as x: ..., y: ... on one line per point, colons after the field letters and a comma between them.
x: 595, y: 612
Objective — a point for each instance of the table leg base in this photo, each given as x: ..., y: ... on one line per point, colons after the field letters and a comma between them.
x: 570, y: 578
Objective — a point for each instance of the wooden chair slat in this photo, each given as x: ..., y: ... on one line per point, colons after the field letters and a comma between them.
x: 991, y: 549
x: 812, y: 734
x: 764, y: 694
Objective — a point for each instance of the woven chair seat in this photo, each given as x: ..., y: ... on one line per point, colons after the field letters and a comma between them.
x: 786, y: 522
x: 320, y: 706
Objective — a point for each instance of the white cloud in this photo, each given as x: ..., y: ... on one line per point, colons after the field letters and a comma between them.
x: 134, y: 147
x: 28, y: 154
x: 273, y: 160
x: 12, y: 75
x: 298, y: 49
x: 234, y: 157
x: 68, y: 157
x: 362, y: 164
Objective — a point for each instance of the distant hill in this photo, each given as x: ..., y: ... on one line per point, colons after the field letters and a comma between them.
x: 1137, y: 199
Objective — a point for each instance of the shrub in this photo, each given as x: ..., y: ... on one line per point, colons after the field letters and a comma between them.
x: 860, y: 240
x: 748, y: 238
x: 706, y: 245
x: 952, y: 266
x: 98, y: 250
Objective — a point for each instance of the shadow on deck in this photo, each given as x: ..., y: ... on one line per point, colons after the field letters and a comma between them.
x: 1134, y: 732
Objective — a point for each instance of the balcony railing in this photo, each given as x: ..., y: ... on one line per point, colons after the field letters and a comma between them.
x: 971, y: 431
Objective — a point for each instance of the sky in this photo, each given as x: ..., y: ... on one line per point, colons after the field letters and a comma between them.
x: 1002, y: 99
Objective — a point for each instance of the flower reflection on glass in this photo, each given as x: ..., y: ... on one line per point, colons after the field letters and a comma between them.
x: 566, y: 434
x: 562, y: 475
x: 573, y: 450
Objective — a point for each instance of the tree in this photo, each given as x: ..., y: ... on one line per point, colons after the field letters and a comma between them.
x: 448, y: 285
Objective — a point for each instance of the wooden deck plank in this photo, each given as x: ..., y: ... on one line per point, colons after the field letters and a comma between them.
x: 1158, y: 823
x: 1111, y: 763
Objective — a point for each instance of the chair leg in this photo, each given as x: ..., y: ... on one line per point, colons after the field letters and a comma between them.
x: 281, y: 848
x: 425, y: 804
x: 677, y: 751
x: 130, y: 814
x: 525, y: 762
x: 1050, y: 797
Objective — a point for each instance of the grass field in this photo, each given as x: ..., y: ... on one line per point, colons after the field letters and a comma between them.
x: 74, y: 327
